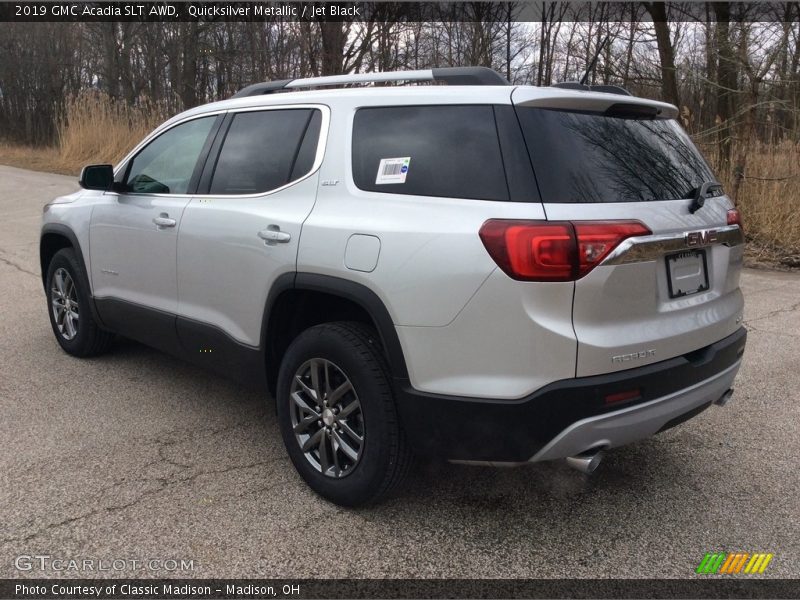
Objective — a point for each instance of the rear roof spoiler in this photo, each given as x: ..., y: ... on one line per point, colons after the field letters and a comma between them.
x: 608, y: 89
x: 562, y: 98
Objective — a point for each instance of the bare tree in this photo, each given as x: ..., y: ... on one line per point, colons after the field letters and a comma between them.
x: 735, y: 78
x: 666, y: 53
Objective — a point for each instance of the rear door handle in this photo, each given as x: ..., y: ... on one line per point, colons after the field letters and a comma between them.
x: 163, y: 220
x: 273, y: 234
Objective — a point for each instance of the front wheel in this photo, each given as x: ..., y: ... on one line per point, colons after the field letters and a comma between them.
x: 337, y: 414
x: 68, y: 299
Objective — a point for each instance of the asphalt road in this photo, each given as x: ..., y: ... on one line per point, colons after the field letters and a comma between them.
x: 136, y: 455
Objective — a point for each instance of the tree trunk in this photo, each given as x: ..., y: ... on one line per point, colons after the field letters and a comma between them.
x: 746, y: 142
x: 666, y: 53
x: 626, y: 71
x: 726, y: 83
x: 707, y: 97
x: 188, y: 68
x: 333, y: 43
x: 510, y: 8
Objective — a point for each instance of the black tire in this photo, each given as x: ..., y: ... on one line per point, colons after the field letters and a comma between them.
x: 385, y: 458
x: 88, y: 339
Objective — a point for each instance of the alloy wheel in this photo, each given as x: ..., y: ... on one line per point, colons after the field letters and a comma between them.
x: 64, y: 302
x: 326, y: 417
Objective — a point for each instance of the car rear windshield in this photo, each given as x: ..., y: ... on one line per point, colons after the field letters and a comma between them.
x: 589, y: 157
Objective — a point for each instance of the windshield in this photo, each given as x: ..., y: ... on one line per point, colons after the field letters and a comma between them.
x: 583, y: 157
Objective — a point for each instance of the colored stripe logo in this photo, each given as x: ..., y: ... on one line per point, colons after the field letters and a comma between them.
x: 733, y: 563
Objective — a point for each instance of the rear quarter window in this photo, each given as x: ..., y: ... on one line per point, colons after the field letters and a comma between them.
x: 454, y: 151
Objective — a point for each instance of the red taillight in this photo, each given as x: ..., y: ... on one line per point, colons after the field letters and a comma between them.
x: 735, y: 218
x: 531, y: 250
x: 554, y: 250
x: 596, y: 240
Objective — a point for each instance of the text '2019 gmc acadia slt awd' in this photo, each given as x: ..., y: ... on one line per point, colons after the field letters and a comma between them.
x: 478, y: 271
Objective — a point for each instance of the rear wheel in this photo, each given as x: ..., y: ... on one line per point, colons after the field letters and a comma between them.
x: 68, y: 306
x: 337, y: 414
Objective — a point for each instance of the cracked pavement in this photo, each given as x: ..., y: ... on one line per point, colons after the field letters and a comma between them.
x: 135, y: 455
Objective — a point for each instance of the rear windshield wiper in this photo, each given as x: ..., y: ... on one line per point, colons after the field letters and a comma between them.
x: 700, y: 193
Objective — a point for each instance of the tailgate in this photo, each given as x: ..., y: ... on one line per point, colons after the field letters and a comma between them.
x: 656, y: 297
x: 608, y: 157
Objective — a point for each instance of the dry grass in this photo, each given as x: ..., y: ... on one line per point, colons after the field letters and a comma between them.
x: 96, y: 129
x: 769, y: 200
x: 33, y: 158
x: 774, y: 206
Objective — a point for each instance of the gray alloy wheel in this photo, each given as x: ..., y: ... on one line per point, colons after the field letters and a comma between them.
x: 64, y: 302
x: 326, y: 417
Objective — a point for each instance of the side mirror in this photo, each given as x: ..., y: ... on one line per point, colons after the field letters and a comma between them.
x: 97, y: 177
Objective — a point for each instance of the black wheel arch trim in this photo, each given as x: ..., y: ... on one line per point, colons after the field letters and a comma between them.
x: 349, y: 290
x: 62, y: 230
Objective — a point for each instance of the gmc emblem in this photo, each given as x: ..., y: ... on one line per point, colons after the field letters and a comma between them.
x: 701, y: 238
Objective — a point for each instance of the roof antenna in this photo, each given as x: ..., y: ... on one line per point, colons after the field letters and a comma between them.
x: 594, y: 61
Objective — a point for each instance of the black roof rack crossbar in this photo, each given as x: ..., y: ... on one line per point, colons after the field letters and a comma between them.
x: 469, y: 76
x: 257, y: 89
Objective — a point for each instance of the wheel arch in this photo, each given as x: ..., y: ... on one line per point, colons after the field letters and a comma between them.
x: 55, y: 237
x: 300, y: 300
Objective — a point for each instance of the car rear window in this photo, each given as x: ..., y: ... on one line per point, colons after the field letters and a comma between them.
x: 449, y: 151
x: 589, y: 157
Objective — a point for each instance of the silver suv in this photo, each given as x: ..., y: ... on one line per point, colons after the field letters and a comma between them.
x: 476, y: 271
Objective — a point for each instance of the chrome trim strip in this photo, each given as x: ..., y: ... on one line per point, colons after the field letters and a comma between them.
x: 655, y: 247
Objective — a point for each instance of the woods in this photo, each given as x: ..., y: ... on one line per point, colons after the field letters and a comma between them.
x: 731, y: 76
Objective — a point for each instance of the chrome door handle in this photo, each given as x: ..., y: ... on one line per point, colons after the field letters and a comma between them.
x: 163, y: 220
x: 273, y: 234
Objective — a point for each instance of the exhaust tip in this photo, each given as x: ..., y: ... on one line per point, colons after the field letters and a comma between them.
x: 725, y: 398
x: 586, y: 462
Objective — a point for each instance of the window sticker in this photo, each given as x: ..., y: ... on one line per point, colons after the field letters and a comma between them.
x: 392, y: 170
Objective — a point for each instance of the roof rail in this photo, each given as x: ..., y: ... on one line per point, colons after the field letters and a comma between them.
x: 448, y: 75
x: 608, y: 89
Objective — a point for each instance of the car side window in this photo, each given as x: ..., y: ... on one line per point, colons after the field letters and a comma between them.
x: 265, y: 150
x: 448, y: 151
x: 166, y: 165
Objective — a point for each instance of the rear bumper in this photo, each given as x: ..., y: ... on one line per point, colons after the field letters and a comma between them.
x: 571, y: 416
